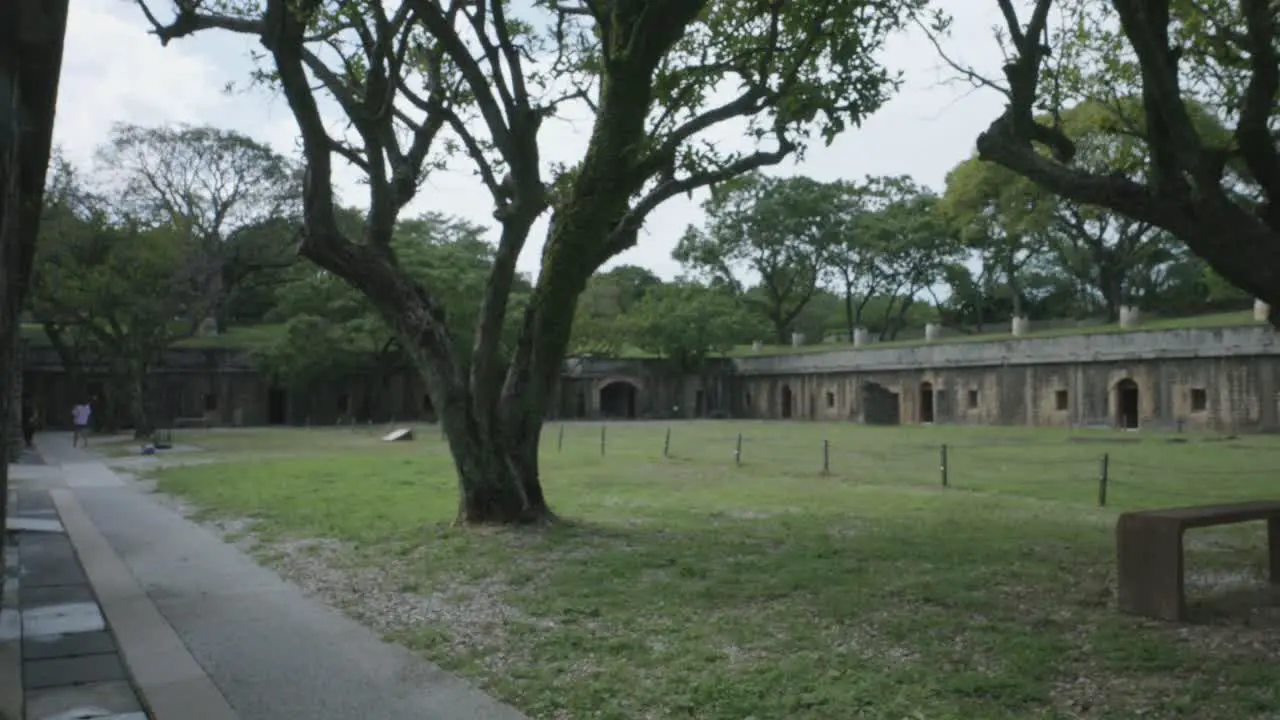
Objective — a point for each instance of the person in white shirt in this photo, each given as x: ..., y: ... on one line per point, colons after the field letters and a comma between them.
x: 80, y: 415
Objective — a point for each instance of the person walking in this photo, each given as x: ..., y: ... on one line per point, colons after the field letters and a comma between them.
x: 28, y: 421
x: 80, y: 416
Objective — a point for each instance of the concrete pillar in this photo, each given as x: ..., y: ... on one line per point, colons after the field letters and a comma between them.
x: 1261, y: 311
x: 757, y: 346
x: 860, y: 337
x: 932, y: 331
x: 1130, y: 316
x: 1020, y: 326
x: 797, y: 339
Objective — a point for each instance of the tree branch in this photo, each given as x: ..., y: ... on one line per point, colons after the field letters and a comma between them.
x: 1253, y: 132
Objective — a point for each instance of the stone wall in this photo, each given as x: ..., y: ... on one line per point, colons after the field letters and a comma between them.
x: 1212, y: 393
x: 1226, y: 379
x: 15, y: 415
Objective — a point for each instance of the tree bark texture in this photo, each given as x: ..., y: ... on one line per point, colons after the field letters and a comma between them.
x: 31, y: 37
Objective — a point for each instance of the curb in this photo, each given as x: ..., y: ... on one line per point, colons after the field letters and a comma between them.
x: 170, y: 683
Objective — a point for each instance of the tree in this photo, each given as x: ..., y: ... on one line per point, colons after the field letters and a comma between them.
x: 127, y: 288
x: 893, y: 244
x: 235, y: 197
x: 431, y: 77
x: 1220, y: 195
x: 330, y: 329
x: 687, y: 323
x: 1002, y: 218
x: 606, y: 299
x: 781, y: 229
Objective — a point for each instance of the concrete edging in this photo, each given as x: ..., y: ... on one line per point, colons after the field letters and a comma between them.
x: 172, y: 685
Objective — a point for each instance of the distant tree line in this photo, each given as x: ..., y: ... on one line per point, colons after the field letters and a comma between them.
x: 180, y: 231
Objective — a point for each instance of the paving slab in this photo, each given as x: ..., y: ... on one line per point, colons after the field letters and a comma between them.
x: 40, y: 647
x: 81, y: 670
x: 30, y: 523
x: 100, y: 701
x: 10, y: 625
x: 26, y: 472
x: 10, y: 679
x: 34, y: 597
x: 63, y: 619
x: 34, y: 499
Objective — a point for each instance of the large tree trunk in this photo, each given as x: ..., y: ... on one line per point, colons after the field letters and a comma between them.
x: 139, y: 402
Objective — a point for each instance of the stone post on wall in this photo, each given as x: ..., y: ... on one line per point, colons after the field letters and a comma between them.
x: 1020, y: 326
x: 1261, y: 311
x: 932, y: 331
x: 1130, y: 317
x: 797, y: 339
x: 859, y: 337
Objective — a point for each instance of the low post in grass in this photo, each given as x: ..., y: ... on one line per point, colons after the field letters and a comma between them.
x: 942, y: 465
x: 1103, y: 472
x: 666, y: 444
x: 602, y: 427
x: 560, y: 438
x: 826, y: 457
x: 737, y: 451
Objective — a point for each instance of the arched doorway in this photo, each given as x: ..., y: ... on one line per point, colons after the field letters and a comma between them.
x: 786, y: 401
x: 618, y: 399
x: 926, y: 402
x: 879, y: 405
x: 1127, y: 404
x: 277, y: 406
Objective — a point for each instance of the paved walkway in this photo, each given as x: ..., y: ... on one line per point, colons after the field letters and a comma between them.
x: 207, y: 633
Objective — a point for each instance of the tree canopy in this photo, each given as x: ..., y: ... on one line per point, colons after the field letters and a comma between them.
x: 1216, y: 190
x: 431, y: 80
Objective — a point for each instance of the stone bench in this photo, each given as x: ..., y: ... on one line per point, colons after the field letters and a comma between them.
x: 1150, y: 559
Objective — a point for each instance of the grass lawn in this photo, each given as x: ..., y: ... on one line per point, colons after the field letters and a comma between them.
x: 691, y: 587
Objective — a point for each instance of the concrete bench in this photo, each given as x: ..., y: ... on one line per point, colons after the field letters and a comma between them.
x: 1149, y: 553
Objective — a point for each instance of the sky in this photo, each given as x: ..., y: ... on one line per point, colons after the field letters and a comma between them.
x: 114, y: 71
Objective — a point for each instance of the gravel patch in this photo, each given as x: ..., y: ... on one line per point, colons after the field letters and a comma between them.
x: 472, y: 615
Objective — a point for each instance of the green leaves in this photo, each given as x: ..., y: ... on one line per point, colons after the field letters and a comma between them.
x: 132, y: 289
x: 687, y: 322
x: 332, y: 328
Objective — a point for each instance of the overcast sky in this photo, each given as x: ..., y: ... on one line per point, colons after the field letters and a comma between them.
x: 113, y: 71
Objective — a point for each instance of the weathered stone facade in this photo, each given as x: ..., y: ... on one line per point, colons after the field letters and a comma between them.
x: 1224, y: 380
x: 1221, y: 380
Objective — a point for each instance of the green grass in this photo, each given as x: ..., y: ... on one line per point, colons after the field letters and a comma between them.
x: 692, y: 587
x: 239, y: 337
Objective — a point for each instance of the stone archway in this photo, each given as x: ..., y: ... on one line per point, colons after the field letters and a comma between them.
x: 926, y: 402
x: 618, y: 399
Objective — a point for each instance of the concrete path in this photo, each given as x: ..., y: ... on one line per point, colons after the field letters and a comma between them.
x: 208, y: 612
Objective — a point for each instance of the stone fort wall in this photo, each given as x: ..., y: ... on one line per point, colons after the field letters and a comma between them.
x: 1210, y: 379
